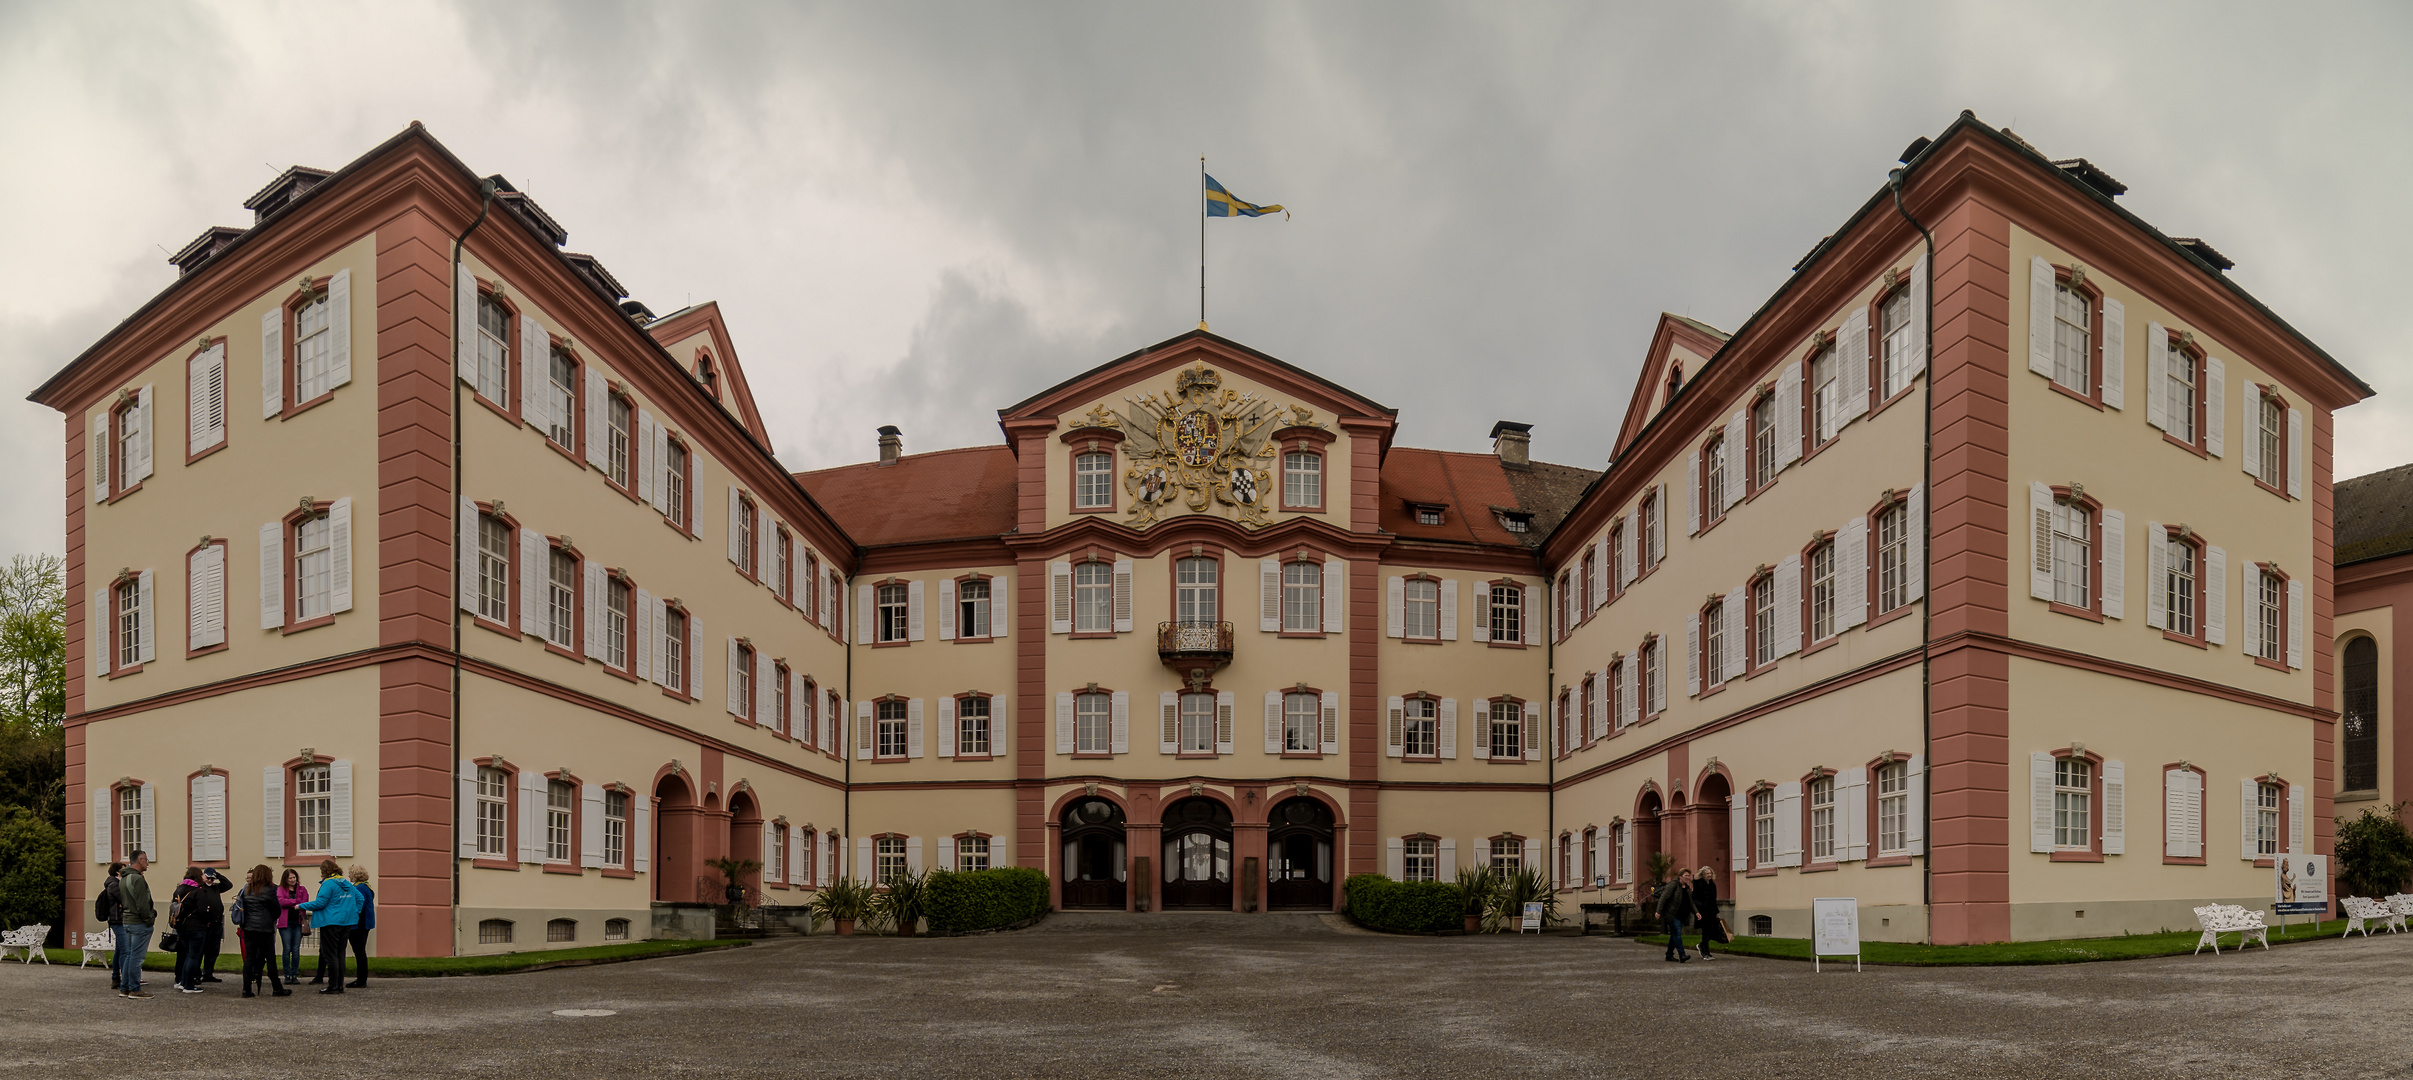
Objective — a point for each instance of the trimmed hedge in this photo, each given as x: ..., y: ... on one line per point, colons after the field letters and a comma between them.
x: 1404, y: 907
x: 985, y: 899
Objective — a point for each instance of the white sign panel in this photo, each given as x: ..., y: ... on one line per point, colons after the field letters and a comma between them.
x: 1835, y: 927
x: 1533, y: 918
x: 2300, y: 884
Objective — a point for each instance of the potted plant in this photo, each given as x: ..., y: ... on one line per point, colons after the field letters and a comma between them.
x: 842, y: 902
x: 1476, y: 884
x: 901, y: 904
x: 1515, y: 889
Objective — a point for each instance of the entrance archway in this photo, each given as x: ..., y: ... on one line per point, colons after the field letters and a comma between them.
x: 674, y: 861
x: 745, y: 842
x: 1198, y: 854
x: 1094, y: 856
x: 1646, y: 834
x: 1298, y: 855
x: 1713, y: 824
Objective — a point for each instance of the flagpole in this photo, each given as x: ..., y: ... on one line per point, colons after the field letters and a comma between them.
x: 1202, y: 242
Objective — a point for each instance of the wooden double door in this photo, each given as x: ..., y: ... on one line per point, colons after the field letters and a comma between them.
x: 1198, y: 855
x: 1298, y: 856
x: 1094, y: 856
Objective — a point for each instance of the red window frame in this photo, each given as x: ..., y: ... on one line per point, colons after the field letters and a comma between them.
x: 509, y: 860
x: 514, y: 364
x: 2203, y: 583
x: 578, y: 433
x: 2253, y: 607
x: 2093, y: 852
x: 2270, y: 395
x: 574, y: 866
x: 991, y: 752
x: 2093, y: 611
x: 2093, y: 396
x: 511, y: 586
x: 576, y: 649
x: 2183, y: 349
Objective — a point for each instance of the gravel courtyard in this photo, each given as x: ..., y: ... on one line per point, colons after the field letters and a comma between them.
x: 1247, y: 996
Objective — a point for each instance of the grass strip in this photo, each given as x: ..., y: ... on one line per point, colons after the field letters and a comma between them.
x: 2013, y: 953
x: 230, y: 964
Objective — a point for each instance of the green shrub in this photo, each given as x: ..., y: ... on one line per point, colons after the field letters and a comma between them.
x: 1405, y: 907
x: 33, y: 866
x: 2375, y: 854
x: 984, y: 899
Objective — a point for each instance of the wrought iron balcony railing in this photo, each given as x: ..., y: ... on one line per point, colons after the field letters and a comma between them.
x: 1190, y: 643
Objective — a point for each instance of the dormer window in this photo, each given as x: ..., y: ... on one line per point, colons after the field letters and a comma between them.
x: 1427, y: 513
x: 1515, y: 522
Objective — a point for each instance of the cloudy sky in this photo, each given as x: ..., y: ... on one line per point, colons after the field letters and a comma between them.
x: 916, y: 214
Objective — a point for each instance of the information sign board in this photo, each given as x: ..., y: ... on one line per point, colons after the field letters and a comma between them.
x: 1835, y: 928
x: 2300, y: 884
x: 1533, y: 918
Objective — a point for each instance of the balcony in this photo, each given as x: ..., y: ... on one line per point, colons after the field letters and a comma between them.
x: 1196, y: 649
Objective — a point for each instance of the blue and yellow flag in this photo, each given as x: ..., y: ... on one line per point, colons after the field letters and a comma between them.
x: 1220, y: 203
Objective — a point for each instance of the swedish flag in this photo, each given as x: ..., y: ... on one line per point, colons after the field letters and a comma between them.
x: 1220, y: 203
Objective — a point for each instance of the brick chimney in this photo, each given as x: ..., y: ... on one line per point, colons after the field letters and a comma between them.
x: 1514, y: 443
x: 892, y: 443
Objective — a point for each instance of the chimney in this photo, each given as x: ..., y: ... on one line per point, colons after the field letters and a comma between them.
x: 1514, y: 443
x: 892, y: 443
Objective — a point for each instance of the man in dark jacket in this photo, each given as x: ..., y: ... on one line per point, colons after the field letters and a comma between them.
x: 1675, y: 909
x: 135, y: 914
x: 197, y: 910
x: 104, y: 912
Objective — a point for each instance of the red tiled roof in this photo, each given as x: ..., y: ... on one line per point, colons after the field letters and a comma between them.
x: 1468, y: 485
x: 941, y: 495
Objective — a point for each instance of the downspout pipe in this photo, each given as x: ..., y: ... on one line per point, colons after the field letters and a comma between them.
x: 486, y: 189
x: 1893, y: 180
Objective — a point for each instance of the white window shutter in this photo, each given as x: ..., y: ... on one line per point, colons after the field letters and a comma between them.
x: 946, y: 609
x: 2157, y: 602
x: 646, y: 462
x: 2115, y: 808
x: 205, y: 618
x: 149, y: 649
x: 2042, y: 292
x: 465, y: 563
x: 98, y: 423
x: 1395, y: 740
x: 1692, y: 656
x: 1446, y: 720
x: 866, y: 864
x: 2249, y: 799
x: 1788, y: 823
x: 1122, y: 595
x: 1118, y: 723
x: 1449, y: 859
x: 1481, y: 731
x: 1480, y: 618
x: 2249, y: 429
x: 1626, y: 539
x: 1692, y: 489
x: 1001, y: 606
x: 339, y: 329
x: 915, y: 591
x: 1738, y: 644
x: 598, y: 423
x: 2175, y: 783
x: 1533, y: 731
x: 1851, y: 375
x: 2040, y: 801
x: 865, y: 737
x: 946, y: 726
x: 737, y: 519
x: 2250, y: 601
x: 2295, y: 622
x: 1269, y: 595
x: 1330, y: 736
x: 1914, y: 543
x: 596, y: 586
x: 339, y: 808
x: 339, y: 555
x: 1064, y: 721
x: 1395, y: 593
x: 866, y: 613
x: 150, y: 819
x: 797, y: 873
x: 1603, y: 692
x: 1170, y: 737
x: 272, y: 811
x: 641, y: 648
x: 1059, y: 586
x: 1627, y: 703
x: 531, y: 790
x: 1223, y: 722
x: 1601, y: 569
x: 1738, y: 830
x: 2295, y: 453
x: 946, y: 853
x: 1915, y: 819
x: 2115, y: 565
x: 2157, y: 374
x: 535, y: 356
x: 2298, y: 818
x: 913, y: 727
x: 2114, y: 353
x: 272, y: 360
x: 642, y: 845
x: 1273, y: 722
x: 766, y: 545
x: 1336, y: 596
x: 590, y: 825
x: 1395, y: 858
x: 1533, y: 853
x: 2040, y: 540
x: 1788, y: 417
x: 766, y: 691
x: 141, y: 465
x: 204, y: 399
x: 913, y: 854
x: 532, y: 574
x: 464, y: 323
x: 1449, y: 609
x: 1736, y: 447
x: 2216, y: 406
x: 1851, y: 797
x: 1919, y: 304
x: 1851, y: 574
x: 206, y: 824
x: 1531, y: 612
x: 662, y: 491
x: 1788, y: 601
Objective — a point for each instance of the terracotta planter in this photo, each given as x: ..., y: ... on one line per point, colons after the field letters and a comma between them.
x: 909, y: 930
x: 846, y: 927
x: 1474, y: 924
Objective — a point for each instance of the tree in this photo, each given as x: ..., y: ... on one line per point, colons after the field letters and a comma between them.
x: 2375, y: 854
x: 33, y: 687
x: 33, y: 869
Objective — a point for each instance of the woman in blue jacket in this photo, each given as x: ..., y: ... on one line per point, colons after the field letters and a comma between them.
x: 336, y: 914
x: 360, y: 930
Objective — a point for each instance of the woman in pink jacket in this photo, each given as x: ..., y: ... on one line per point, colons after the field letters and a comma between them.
x: 291, y: 924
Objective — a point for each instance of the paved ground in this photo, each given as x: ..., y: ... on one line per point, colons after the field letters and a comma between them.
x: 1138, y: 997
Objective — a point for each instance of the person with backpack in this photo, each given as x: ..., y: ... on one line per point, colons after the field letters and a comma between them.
x: 104, y: 913
x: 336, y: 913
x: 135, y: 914
x: 1674, y: 902
x: 194, y: 912
x: 291, y: 924
x: 256, y: 913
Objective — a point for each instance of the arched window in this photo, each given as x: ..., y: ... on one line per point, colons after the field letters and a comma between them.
x: 561, y: 930
x: 494, y: 932
x: 2361, y: 714
x: 615, y: 929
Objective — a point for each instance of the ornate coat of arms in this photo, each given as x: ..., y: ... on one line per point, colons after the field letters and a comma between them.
x: 1202, y: 445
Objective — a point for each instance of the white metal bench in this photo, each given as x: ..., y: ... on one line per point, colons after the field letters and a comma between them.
x: 98, y: 946
x: 2362, y: 911
x: 2399, y: 906
x: 2218, y: 919
x: 27, y: 940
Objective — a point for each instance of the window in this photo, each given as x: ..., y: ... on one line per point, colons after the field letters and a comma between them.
x: 313, y: 809
x: 2073, y: 553
x: 972, y: 609
x: 1507, y: 613
x: 971, y: 854
x: 1616, y: 849
x: 2179, y: 389
x: 615, y: 828
x: 1900, y: 355
x: 1646, y: 678
x: 742, y: 703
x: 1566, y: 602
x: 1507, y: 855
x: 2266, y: 819
x: 1423, y: 615
x: 2073, y: 324
x: 494, y: 792
x: 1507, y: 729
x: 1515, y: 523
x: 972, y: 726
x: 705, y: 375
x: 561, y: 802
x: 1822, y: 591
x: 1822, y: 820
x: 2270, y: 431
x: 1825, y: 397
x: 889, y: 721
x: 1303, y: 597
x: 615, y: 623
x: 1093, y: 723
x: 1428, y: 515
x: 313, y: 349
x: 674, y: 479
x: 1421, y: 729
x: 616, y: 441
x: 494, y: 931
x: 1893, y: 557
x: 494, y: 351
x: 1648, y: 538
x: 562, y: 387
x: 1713, y: 479
x: 890, y: 864
x: 748, y: 525
x: 1587, y: 584
x: 130, y: 436
x: 1300, y: 729
x: 1763, y: 827
x: 1713, y: 644
x: 2270, y: 605
x: 1763, y: 621
x: 2179, y: 576
x: 674, y: 649
x: 561, y: 930
x: 561, y: 597
x: 812, y: 588
x: 808, y: 854
x: 615, y: 929
x: 2073, y: 798
x: 1197, y: 724
x: 1763, y: 440
x: 313, y: 567
x: 494, y: 569
x: 1195, y: 590
x: 781, y: 718
x: 1092, y: 480
x: 1093, y: 598
x: 775, y: 860
x: 1613, y: 686
x: 894, y: 612
x: 800, y: 719
x: 129, y: 820
x: 130, y: 622
x: 2359, y: 722
x: 1893, y: 808
x: 1617, y: 558
x: 1302, y: 480
x: 1422, y: 860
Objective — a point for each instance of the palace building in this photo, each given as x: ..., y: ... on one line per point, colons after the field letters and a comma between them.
x: 543, y: 626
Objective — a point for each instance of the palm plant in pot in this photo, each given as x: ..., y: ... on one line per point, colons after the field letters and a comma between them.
x: 1476, y: 884
x: 1517, y: 888
x: 901, y: 903
x: 843, y: 901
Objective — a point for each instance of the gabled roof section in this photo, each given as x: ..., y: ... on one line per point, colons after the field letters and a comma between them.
x: 1178, y: 351
x: 2374, y: 515
x: 1471, y: 489
x: 737, y: 395
x: 1650, y: 394
x: 921, y: 498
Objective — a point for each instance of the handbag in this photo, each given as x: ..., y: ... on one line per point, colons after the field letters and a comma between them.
x: 170, y: 942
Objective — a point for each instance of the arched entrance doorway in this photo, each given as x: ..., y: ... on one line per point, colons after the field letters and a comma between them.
x: 1298, y: 855
x: 1198, y: 854
x: 745, y: 842
x: 1094, y: 855
x: 674, y: 861
x: 1646, y: 834
x: 1713, y: 825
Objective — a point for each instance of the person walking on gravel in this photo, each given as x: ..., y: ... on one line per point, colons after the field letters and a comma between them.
x: 1675, y: 909
x: 1705, y: 910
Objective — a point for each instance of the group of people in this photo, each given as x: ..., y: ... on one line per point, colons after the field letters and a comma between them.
x: 266, y: 916
x: 1691, y: 899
